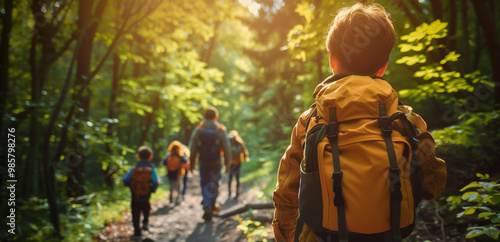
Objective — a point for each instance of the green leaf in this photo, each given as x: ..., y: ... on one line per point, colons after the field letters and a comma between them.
x: 495, y: 219
x: 469, y: 211
x: 470, y: 196
x: 492, y: 232
x: 473, y: 233
x: 486, y: 215
x: 473, y: 184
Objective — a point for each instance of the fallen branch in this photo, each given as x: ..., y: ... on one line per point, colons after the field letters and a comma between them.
x: 244, y: 208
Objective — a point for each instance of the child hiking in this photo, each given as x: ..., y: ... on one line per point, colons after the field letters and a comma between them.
x: 239, y: 153
x: 359, y: 161
x: 143, y: 181
x: 209, y: 140
x: 177, y: 165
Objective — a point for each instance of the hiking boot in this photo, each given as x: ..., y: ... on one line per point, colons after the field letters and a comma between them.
x: 216, y: 208
x: 145, y: 227
x: 136, y: 237
x: 207, y: 216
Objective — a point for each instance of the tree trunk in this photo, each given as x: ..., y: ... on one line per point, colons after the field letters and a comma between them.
x: 87, y: 22
x: 466, y: 36
x: 4, y: 76
x: 38, y: 70
x: 453, y: 25
x: 4, y: 61
x: 488, y: 24
x: 211, y: 44
x: 113, y: 105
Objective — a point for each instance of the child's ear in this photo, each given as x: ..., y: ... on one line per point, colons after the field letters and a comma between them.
x: 150, y: 158
x: 382, y: 70
x: 137, y: 157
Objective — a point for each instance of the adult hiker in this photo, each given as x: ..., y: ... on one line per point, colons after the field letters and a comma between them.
x: 209, y: 140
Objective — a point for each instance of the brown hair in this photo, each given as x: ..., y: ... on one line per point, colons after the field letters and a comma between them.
x: 144, y: 152
x: 361, y: 37
x: 211, y: 113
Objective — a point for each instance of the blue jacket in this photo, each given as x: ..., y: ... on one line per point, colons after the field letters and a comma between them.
x: 127, y: 180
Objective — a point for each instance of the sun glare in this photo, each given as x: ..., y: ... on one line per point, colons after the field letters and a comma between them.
x: 252, y: 6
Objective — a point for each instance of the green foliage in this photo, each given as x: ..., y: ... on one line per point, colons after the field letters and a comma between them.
x: 472, y: 139
x: 437, y: 81
x: 480, y: 198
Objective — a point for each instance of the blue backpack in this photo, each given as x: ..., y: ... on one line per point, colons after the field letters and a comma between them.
x: 209, y: 145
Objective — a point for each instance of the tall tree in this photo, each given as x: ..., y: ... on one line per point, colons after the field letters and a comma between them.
x: 488, y: 24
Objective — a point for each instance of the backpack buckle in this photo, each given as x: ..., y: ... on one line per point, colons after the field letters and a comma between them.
x: 332, y: 130
x: 337, y: 181
x: 337, y: 188
x: 385, y: 125
x: 395, y: 170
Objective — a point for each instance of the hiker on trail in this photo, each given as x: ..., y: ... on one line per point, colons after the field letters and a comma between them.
x: 239, y: 153
x: 143, y: 181
x: 209, y: 140
x: 177, y: 165
x: 368, y: 159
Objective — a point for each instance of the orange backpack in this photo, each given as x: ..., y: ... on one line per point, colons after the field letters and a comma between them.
x: 141, y: 178
x: 359, y: 175
x: 173, y: 163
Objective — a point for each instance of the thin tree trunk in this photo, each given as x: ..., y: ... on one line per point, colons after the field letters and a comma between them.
x: 488, y: 24
x: 4, y: 60
x: 453, y: 25
x: 211, y: 44
x: 84, y: 58
x: 4, y: 76
x: 466, y: 36
x: 113, y: 105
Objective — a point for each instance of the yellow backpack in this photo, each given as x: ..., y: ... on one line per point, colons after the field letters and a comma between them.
x: 360, y: 178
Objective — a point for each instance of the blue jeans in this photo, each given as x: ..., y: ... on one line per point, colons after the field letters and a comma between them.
x: 209, y: 180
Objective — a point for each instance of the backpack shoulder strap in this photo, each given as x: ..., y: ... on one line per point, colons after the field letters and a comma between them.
x: 395, y: 183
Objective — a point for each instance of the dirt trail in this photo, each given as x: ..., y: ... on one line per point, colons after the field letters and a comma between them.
x: 183, y: 222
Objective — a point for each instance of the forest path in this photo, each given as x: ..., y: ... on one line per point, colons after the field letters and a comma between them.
x: 183, y: 222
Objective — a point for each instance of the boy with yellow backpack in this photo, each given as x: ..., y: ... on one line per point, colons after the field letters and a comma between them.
x: 143, y: 181
x: 359, y: 161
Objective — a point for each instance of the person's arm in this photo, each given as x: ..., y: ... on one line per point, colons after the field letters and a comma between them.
x: 285, y: 196
x: 246, y: 156
x: 184, y: 159
x: 193, y: 148
x: 226, y: 146
x: 154, y: 180
x: 433, y: 169
x: 127, y: 180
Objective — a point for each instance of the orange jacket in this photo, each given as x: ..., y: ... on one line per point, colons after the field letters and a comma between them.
x: 285, y: 196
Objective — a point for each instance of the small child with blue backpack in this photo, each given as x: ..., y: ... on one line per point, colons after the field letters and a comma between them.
x: 143, y: 181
